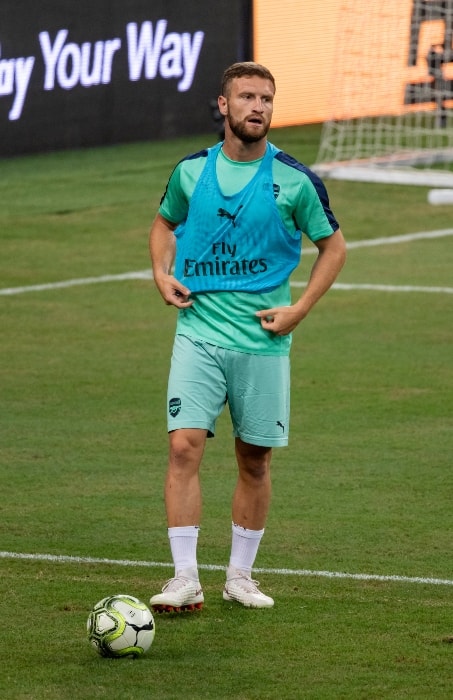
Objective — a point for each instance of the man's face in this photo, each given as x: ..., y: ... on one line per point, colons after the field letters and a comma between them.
x: 248, y: 107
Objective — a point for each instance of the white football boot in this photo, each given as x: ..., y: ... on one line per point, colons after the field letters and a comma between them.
x: 243, y: 589
x: 179, y: 594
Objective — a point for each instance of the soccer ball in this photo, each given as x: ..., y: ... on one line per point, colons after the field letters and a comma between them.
x: 121, y: 625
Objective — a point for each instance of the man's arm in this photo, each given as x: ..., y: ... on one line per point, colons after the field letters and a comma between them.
x: 330, y: 260
x: 162, y: 248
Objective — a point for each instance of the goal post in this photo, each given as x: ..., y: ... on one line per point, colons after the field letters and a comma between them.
x: 391, y: 101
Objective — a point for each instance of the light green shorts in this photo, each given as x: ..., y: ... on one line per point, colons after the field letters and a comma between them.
x: 204, y: 377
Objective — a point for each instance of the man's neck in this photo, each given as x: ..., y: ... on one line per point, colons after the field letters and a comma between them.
x: 238, y: 150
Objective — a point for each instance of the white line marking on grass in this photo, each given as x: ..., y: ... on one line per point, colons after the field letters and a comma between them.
x: 147, y: 274
x: 143, y: 275
x: 404, y: 238
x: 393, y: 240
x: 65, y: 559
x: 384, y: 288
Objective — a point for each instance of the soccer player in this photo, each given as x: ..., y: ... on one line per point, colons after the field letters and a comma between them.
x: 231, y: 222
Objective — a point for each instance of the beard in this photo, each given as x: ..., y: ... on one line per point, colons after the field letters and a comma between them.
x: 244, y: 132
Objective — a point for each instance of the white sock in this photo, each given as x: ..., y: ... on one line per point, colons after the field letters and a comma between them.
x: 244, y: 547
x: 183, y: 545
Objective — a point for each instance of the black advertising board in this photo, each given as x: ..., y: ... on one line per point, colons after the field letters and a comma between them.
x: 105, y: 71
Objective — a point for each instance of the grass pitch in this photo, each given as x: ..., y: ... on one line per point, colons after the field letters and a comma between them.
x: 364, y: 488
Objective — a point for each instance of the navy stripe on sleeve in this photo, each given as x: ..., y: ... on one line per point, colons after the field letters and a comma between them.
x: 317, y: 183
x: 192, y: 156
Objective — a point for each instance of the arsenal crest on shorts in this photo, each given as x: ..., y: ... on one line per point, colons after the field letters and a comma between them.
x: 174, y: 407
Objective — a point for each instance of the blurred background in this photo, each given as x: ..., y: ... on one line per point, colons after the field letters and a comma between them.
x: 108, y: 71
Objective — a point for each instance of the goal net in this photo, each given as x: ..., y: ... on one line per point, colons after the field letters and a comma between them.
x: 391, y: 112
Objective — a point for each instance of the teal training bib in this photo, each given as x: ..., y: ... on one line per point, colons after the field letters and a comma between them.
x: 236, y: 242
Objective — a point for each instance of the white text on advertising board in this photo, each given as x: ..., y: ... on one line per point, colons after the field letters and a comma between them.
x: 152, y: 51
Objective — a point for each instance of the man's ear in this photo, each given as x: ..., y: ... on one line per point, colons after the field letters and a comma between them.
x: 223, y: 107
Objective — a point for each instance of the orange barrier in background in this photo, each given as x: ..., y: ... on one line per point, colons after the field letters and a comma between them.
x: 337, y: 60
